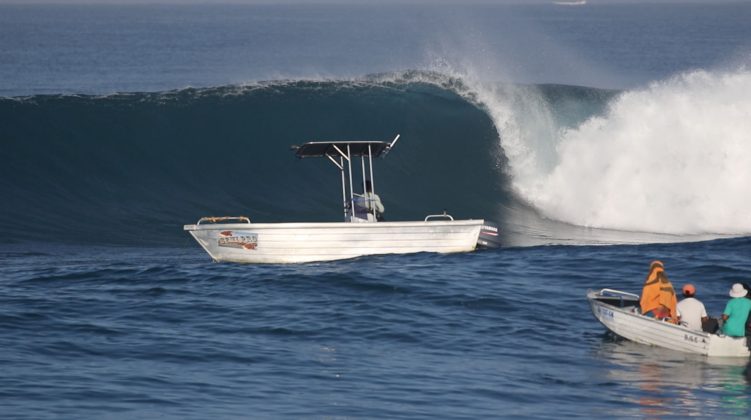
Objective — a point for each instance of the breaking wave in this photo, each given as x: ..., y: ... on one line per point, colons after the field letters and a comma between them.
x: 134, y: 167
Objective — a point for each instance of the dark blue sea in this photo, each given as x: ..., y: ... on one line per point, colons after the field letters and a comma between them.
x: 599, y: 137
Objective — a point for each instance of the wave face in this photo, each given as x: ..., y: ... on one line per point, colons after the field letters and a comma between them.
x: 133, y: 168
x: 547, y: 161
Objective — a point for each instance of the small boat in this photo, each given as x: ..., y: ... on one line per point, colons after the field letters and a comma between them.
x: 619, y: 312
x: 237, y: 239
x: 570, y: 3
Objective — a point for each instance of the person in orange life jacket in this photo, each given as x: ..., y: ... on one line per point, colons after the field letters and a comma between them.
x: 658, y: 295
x: 691, y: 311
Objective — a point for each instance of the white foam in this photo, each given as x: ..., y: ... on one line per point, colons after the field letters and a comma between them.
x: 674, y: 157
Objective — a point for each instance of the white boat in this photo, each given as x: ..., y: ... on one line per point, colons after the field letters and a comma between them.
x: 619, y: 312
x: 237, y: 239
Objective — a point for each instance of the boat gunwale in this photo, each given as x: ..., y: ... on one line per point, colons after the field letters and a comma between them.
x: 331, y: 225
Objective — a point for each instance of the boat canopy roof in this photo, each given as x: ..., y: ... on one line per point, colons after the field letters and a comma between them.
x: 329, y: 148
x: 342, y: 154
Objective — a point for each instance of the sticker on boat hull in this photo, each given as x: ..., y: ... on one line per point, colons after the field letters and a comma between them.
x: 240, y: 240
x: 606, y: 313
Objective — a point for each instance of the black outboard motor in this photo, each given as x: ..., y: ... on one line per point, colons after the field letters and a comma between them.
x: 490, y: 235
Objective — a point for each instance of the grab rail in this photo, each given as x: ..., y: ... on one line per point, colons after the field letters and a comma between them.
x: 619, y: 293
x: 223, y: 218
x: 444, y: 215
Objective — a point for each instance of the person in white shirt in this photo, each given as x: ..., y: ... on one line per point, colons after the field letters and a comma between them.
x: 691, y: 311
x: 368, y: 203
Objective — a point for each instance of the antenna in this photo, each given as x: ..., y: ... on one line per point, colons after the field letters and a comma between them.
x: 393, y: 142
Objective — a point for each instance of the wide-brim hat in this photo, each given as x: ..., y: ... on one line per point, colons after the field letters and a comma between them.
x: 738, y: 291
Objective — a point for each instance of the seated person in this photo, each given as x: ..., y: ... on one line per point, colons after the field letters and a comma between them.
x: 736, y: 312
x: 367, y: 202
x: 690, y: 309
x: 658, y: 295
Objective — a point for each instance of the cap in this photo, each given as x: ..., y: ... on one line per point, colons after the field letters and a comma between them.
x: 689, y: 289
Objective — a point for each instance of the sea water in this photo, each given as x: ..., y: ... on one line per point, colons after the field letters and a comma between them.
x: 600, y: 137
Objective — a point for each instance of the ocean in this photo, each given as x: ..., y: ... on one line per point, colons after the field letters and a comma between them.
x: 599, y: 137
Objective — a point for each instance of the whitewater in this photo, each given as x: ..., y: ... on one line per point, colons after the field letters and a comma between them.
x: 669, y: 158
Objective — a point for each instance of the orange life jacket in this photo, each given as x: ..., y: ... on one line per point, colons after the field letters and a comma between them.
x: 657, y: 292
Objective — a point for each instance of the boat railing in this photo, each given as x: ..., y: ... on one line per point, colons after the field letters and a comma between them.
x: 239, y: 219
x: 619, y: 293
x: 622, y: 297
x: 439, y: 216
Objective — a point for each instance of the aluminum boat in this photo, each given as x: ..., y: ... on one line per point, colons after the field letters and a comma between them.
x: 238, y: 239
x: 619, y: 312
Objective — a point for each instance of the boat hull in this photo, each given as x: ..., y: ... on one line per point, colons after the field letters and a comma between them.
x: 307, y: 242
x: 628, y: 323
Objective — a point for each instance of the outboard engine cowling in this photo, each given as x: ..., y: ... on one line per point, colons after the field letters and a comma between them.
x: 490, y: 235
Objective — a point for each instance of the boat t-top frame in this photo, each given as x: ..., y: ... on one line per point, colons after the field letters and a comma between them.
x: 341, y: 153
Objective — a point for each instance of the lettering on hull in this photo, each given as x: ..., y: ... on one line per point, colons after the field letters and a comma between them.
x: 606, y: 313
x: 239, y: 240
x: 693, y: 339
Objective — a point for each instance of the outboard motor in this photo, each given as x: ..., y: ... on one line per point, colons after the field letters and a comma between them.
x: 490, y: 235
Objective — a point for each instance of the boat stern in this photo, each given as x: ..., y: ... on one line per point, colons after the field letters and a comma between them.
x: 490, y: 235
x: 726, y: 346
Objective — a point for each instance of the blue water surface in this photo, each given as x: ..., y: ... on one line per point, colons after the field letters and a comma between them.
x: 93, y: 332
